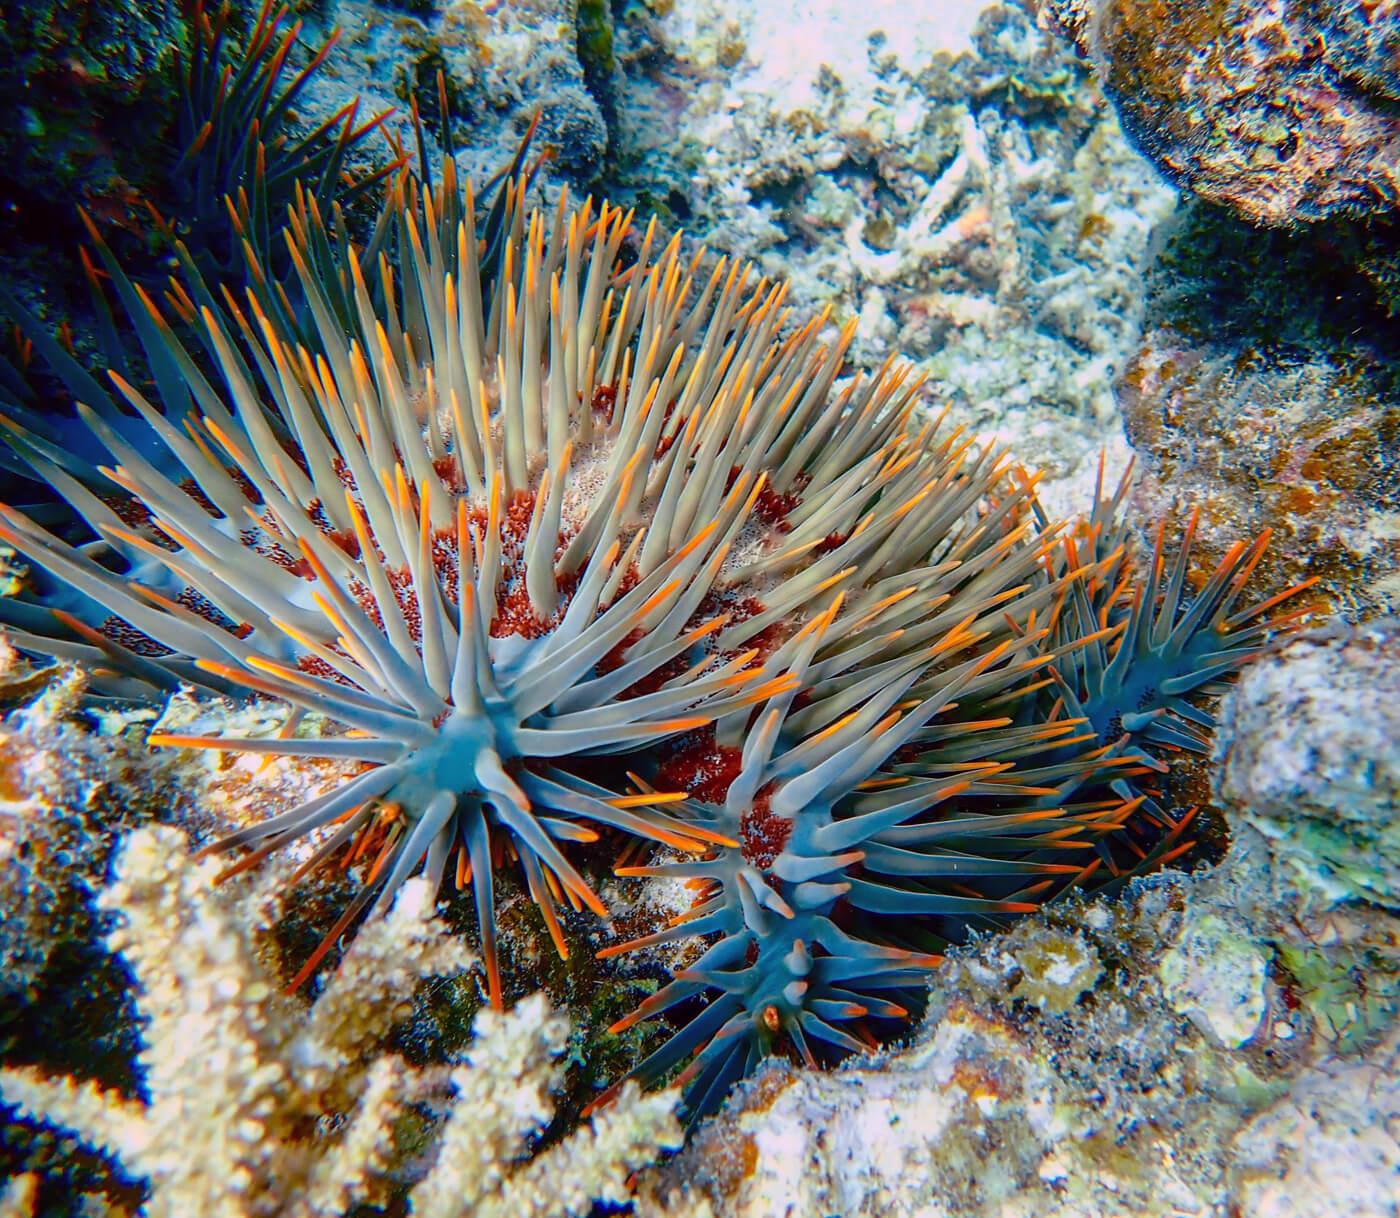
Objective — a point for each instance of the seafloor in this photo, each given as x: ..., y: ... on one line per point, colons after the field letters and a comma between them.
x: 1210, y: 297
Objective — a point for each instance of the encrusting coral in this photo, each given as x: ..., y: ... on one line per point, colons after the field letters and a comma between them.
x: 1225, y: 102
x: 259, y: 1106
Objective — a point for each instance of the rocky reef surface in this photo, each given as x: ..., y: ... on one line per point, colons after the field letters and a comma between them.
x: 1282, y: 112
x: 1213, y: 1043
x: 950, y: 176
x: 1223, y: 1039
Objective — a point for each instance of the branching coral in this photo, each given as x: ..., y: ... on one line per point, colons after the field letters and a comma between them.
x: 246, y: 1088
x: 506, y: 1090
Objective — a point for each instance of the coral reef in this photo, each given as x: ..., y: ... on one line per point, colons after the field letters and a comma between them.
x: 951, y: 177
x: 257, y: 1105
x: 47, y: 800
x: 1214, y: 975
x: 1282, y: 112
x: 1320, y: 780
x: 529, y: 549
x: 509, y: 514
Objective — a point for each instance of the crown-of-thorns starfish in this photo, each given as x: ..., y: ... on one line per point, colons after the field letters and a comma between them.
x: 486, y: 534
x: 837, y: 853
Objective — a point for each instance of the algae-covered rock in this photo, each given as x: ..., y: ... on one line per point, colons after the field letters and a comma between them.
x: 1282, y: 111
x: 1332, y: 1146
x: 1056, y: 969
x: 1215, y: 975
x: 1310, y: 750
x: 1340, y: 968
x: 1297, y: 442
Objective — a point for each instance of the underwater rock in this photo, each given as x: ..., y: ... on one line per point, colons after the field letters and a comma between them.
x: 871, y: 1142
x: 1329, y: 1147
x: 1310, y: 751
x: 1337, y: 969
x: 1282, y: 112
x: 1297, y: 443
x: 1056, y: 970
x: 1216, y: 977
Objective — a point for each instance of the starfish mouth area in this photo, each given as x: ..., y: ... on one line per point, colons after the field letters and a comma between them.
x: 464, y: 757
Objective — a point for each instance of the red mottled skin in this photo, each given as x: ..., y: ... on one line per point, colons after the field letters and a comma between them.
x: 695, y: 763
x: 763, y: 835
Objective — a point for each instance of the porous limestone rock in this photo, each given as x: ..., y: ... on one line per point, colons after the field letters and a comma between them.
x: 1310, y: 753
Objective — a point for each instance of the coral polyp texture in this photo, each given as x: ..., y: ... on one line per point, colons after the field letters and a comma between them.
x: 548, y: 531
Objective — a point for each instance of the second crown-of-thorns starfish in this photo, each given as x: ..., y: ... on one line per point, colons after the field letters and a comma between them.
x: 606, y: 544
